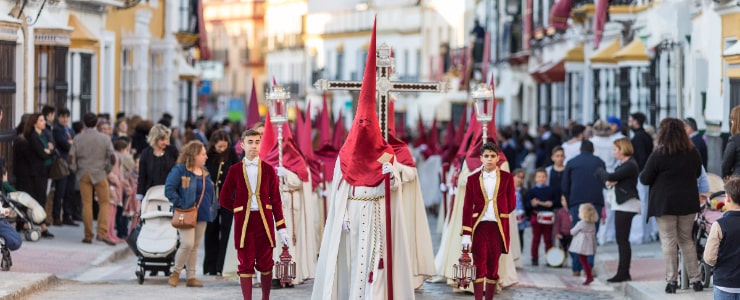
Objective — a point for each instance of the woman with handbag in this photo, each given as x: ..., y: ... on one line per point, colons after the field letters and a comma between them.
x: 627, y: 202
x: 190, y: 189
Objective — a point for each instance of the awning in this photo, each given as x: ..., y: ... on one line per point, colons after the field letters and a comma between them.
x: 519, y: 58
x: 634, y: 51
x: 732, y: 56
x: 184, y: 69
x: 575, y: 54
x: 734, y: 50
x: 550, y: 72
x: 606, y: 55
x: 81, y: 37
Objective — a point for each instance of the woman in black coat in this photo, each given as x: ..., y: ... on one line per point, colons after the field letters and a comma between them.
x: 626, y: 203
x: 671, y: 172
x: 220, y: 157
x: 156, y: 161
x: 33, y: 159
x: 731, y: 157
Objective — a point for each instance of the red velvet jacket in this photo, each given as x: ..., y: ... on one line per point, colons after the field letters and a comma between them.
x: 234, y: 196
x: 504, y: 197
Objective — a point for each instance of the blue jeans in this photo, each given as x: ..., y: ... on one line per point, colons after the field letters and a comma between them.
x: 722, y: 295
x: 577, y: 267
x: 12, y: 237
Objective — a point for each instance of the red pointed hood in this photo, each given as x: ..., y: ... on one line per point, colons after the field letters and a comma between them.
x: 339, y: 133
x: 305, y: 138
x: 403, y: 154
x: 292, y: 158
x: 468, y: 139
x: 253, y: 111
x: 325, y: 137
x: 365, y: 145
x: 421, y: 139
x: 327, y: 156
x: 269, y: 138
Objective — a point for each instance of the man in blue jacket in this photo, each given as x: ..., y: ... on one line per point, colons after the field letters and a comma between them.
x: 581, y: 185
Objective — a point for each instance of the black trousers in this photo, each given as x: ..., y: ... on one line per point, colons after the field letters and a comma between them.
x: 623, y: 225
x: 216, y: 237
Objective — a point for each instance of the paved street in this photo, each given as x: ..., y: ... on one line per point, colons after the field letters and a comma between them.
x: 64, y: 268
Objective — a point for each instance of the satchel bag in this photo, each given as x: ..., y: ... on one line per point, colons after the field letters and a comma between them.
x: 187, y: 218
x: 59, y: 168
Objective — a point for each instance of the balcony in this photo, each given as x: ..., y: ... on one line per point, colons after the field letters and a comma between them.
x: 586, y: 8
x: 285, y: 41
x: 251, y: 57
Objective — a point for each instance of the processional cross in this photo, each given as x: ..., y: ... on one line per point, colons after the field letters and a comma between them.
x: 384, y: 85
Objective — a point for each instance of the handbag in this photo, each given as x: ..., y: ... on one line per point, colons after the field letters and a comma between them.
x: 187, y: 218
x: 59, y: 167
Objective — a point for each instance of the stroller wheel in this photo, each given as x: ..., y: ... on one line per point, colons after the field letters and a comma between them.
x: 706, y: 274
x: 140, y: 274
x: 33, y: 235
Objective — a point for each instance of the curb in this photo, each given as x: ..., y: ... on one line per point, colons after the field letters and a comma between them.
x: 103, y: 259
x: 32, y: 287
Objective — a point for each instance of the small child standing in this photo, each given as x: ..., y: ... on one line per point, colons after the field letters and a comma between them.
x: 563, y: 223
x: 584, y: 237
x: 723, y: 247
x: 521, y: 216
x: 540, y: 202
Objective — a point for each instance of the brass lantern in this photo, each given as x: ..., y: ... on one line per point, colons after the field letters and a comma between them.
x: 464, y: 270
x: 285, y: 267
x: 483, y: 99
x: 278, y: 105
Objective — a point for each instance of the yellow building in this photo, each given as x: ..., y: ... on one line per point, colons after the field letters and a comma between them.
x: 236, y: 33
x: 153, y: 48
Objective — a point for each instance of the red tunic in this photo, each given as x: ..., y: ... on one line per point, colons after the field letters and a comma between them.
x: 235, y: 196
x: 504, y: 197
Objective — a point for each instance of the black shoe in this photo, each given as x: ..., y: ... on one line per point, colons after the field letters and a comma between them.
x: 671, y: 287
x: 70, y: 223
x: 47, y: 234
x: 535, y: 262
x: 57, y: 222
x: 619, y: 278
x: 698, y: 286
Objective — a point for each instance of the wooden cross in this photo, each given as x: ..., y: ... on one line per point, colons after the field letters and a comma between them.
x: 384, y: 85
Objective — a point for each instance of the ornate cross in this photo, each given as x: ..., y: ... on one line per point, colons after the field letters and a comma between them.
x: 384, y: 85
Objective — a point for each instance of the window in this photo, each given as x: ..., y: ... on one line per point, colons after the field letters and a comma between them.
x: 80, y: 90
x: 340, y: 65
x: 51, y: 72
x: 188, y: 13
x: 574, y: 94
x: 734, y: 92
x: 157, y: 83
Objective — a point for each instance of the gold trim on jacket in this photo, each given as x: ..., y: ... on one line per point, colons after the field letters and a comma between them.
x: 259, y: 204
x: 495, y: 205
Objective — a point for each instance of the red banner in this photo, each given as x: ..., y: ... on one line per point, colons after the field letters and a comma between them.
x: 602, y: 7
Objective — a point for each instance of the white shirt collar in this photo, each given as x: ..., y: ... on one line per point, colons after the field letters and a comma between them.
x: 253, y: 162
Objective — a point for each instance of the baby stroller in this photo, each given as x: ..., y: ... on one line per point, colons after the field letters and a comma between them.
x: 25, y: 212
x: 156, y: 242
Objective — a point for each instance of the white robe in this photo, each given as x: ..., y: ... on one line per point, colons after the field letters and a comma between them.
x: 450, y: 246
x: 417, y: 226
x: 298, y: 211
x: 429, y: 171
x: 346, y: 258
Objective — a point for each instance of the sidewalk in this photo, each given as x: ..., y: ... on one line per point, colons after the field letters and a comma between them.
x: 647, y: 271
x: 39, y: 265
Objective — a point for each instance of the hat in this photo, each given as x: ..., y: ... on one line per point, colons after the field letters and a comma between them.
x: 292, y: 158
x: 615, y: 120
x: 365, y: 145
x: 253, y: 112
x: 325, y: 137
x: 602, y: 128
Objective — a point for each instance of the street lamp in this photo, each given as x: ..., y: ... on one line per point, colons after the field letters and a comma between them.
x: 278, y: 99
x: 483, y: 100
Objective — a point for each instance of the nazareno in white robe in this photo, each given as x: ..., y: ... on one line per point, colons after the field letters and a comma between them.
x: 417, y: 225
x: 345, y: 258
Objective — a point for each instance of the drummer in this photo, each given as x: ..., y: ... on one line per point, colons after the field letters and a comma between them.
x: 540, y: 202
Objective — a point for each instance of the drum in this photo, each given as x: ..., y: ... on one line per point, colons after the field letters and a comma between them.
x: 546, y: 217
x: 555, y: 257
x: 520, y: 216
